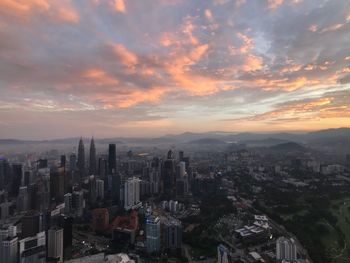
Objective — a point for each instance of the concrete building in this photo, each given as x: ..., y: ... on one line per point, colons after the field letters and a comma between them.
x: 132, y: 193
x: 9, y: 249
x: 78, y: 203
x: 33, y: 249
x: 286, y: 250
x: 55, y: 244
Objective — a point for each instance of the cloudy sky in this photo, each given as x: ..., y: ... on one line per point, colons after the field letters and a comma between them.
x: 152, y: 67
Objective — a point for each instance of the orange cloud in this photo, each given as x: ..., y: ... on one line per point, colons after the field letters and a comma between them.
x: 208, y: 14
x: 100, y: 77
x: 23, y: 6
x: 188, y: 28
x: 248, y: 43
x: 273, y: 4
x: 179, y: 71
x: 119, y: 6
x: 68, y: 15
x: 126, y: 99
x: 313, y: 28
x: 332, y: 28
x: 126, y: 57
x: 144, y: 124
x: 55, y: 10
x: 252, y: 63
x: 294, y: 110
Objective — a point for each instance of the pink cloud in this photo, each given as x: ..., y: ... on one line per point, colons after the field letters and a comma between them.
x: 119, y: 6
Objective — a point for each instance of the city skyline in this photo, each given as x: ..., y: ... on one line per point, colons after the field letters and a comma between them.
x: 128, y: 68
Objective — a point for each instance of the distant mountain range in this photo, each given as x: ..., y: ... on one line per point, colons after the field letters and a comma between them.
x: 331, y: 139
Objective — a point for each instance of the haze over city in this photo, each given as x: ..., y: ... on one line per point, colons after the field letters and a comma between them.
x: 154, y: 67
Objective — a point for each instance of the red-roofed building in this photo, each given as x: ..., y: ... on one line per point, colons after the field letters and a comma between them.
x: 100, y: 219
x: 124, y: 227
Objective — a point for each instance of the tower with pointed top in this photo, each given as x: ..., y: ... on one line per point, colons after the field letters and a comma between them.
x: 92, y: 162
x: 81, y: 159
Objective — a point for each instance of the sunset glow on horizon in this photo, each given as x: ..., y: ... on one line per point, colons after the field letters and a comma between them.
x: 153, y: 67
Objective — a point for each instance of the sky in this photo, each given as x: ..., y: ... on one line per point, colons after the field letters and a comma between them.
x: 113, y: 68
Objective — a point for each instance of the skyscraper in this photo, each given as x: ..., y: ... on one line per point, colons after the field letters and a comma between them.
x: 112, y: 159
x: 55, y: 244
x: 92, y: 163
x: 131, y: 193
x: 153, y: 234
x: 172, y: 234
x: 81, y: 159
x: 72, y: 162
x: 168, y: 174
x: 115, y: 189
x: 17, y: 174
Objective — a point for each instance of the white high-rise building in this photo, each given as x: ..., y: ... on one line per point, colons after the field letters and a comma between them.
x: 9, y: 244
x: 131, y: 193
x: 55, y: 244
x: 286, y: 249
x: 9, y: 249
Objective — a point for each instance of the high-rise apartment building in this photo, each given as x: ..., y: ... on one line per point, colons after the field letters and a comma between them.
x: 286, y: 249
x: 55, y: 244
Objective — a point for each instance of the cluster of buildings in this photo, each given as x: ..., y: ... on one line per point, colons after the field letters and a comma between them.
x: 41, y: 200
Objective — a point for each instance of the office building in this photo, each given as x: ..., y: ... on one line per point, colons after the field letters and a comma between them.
x: 30, y: 224
x: 55, y: 244
x: 154, y: 181
x: 92, y: 159
x: 68, y: 203
x: 66, y: 222
x: 172, y: 233
x: 72, y: 162
x: 168, y: 174
x: 81, y: 160
x: 100, y: 189
x: 153, y: 234
x: 115, y: 188
x: 112, y: 159
x: 17, y: 175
